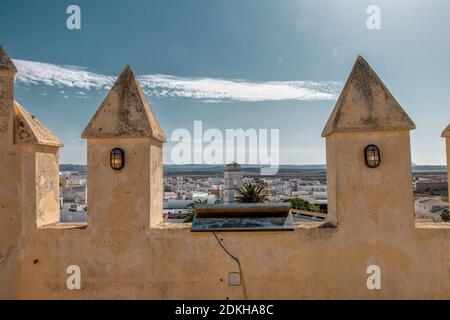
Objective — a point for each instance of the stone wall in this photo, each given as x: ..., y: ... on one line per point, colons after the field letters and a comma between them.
x: 126, y: 252
x: 10, y: 218
x: 174, y: 263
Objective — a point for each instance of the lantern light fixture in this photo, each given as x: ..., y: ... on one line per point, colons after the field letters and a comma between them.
x: 117, y: 159
x: 372, y: 156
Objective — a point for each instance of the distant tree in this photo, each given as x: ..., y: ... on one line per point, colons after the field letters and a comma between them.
x: 301, y: 204
x: 191, y: 207
x: 251, y: 193
x: 445, y: 215
x: 167, y: 188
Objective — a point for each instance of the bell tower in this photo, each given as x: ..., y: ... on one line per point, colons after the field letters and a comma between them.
x: 233, y: 179
x: 369, y: 172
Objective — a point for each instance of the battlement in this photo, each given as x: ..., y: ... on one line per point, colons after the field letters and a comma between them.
x: 126, y: 251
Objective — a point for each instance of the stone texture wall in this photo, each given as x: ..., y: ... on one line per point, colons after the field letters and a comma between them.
x: 126, y: 252
x: 9, y: 206
x: 308, y: 263
x: 123, y: 255
x: 381, y: 197
x: 121, y: 200
x: 47, y: 186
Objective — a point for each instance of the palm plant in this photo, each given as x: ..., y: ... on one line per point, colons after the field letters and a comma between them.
x: 251, y: 193
x: 191, y: 207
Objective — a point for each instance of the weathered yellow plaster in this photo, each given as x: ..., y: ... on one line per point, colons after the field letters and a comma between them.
x: 446, y: 132
x: 10, y: 218
x: 365, y: 104
x: 126, y: 252
x: 28, y: 129
x: 29, y: 177
x: 125, y: 112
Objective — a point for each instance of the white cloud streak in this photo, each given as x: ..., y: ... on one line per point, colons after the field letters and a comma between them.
x: 166, y: 86
x: 39, y: 73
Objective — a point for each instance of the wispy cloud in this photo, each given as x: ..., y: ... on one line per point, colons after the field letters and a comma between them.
x: 39, y: 73
x: 163, y: 86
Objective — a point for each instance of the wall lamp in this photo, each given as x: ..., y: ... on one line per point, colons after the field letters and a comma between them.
x: 117, y: 158
x: 372, y: 156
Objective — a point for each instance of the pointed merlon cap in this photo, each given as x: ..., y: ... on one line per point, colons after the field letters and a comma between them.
x: 446, y: 132
x: 6, y: 62
x: 125, y: 112
x: 365, y: 104
x: 28, y: 129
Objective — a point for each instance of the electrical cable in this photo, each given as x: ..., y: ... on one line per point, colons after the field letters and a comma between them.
x: 237, y: 261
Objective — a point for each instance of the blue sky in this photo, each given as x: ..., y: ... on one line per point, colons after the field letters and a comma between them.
x: 232, y: 64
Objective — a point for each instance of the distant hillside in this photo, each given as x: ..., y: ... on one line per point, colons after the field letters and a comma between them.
x: 428, y: 168
x: 218, y: 169
x: 72, y: 167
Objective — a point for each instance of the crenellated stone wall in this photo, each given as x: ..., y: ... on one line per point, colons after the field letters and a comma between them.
x: 10, y: 218
x: 126, y: 252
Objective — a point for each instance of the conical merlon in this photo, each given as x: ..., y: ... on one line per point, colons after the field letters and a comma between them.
x: 446, y: 132
x: 29, y: 130
x: 5, y: 61
x: 125, y: 112
x: 365, y: 104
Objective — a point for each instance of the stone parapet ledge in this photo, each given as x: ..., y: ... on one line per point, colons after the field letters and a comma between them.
x: 313, y: 225
x: 172, y: 226
x: 64, y: 226
x: 432, y: 225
